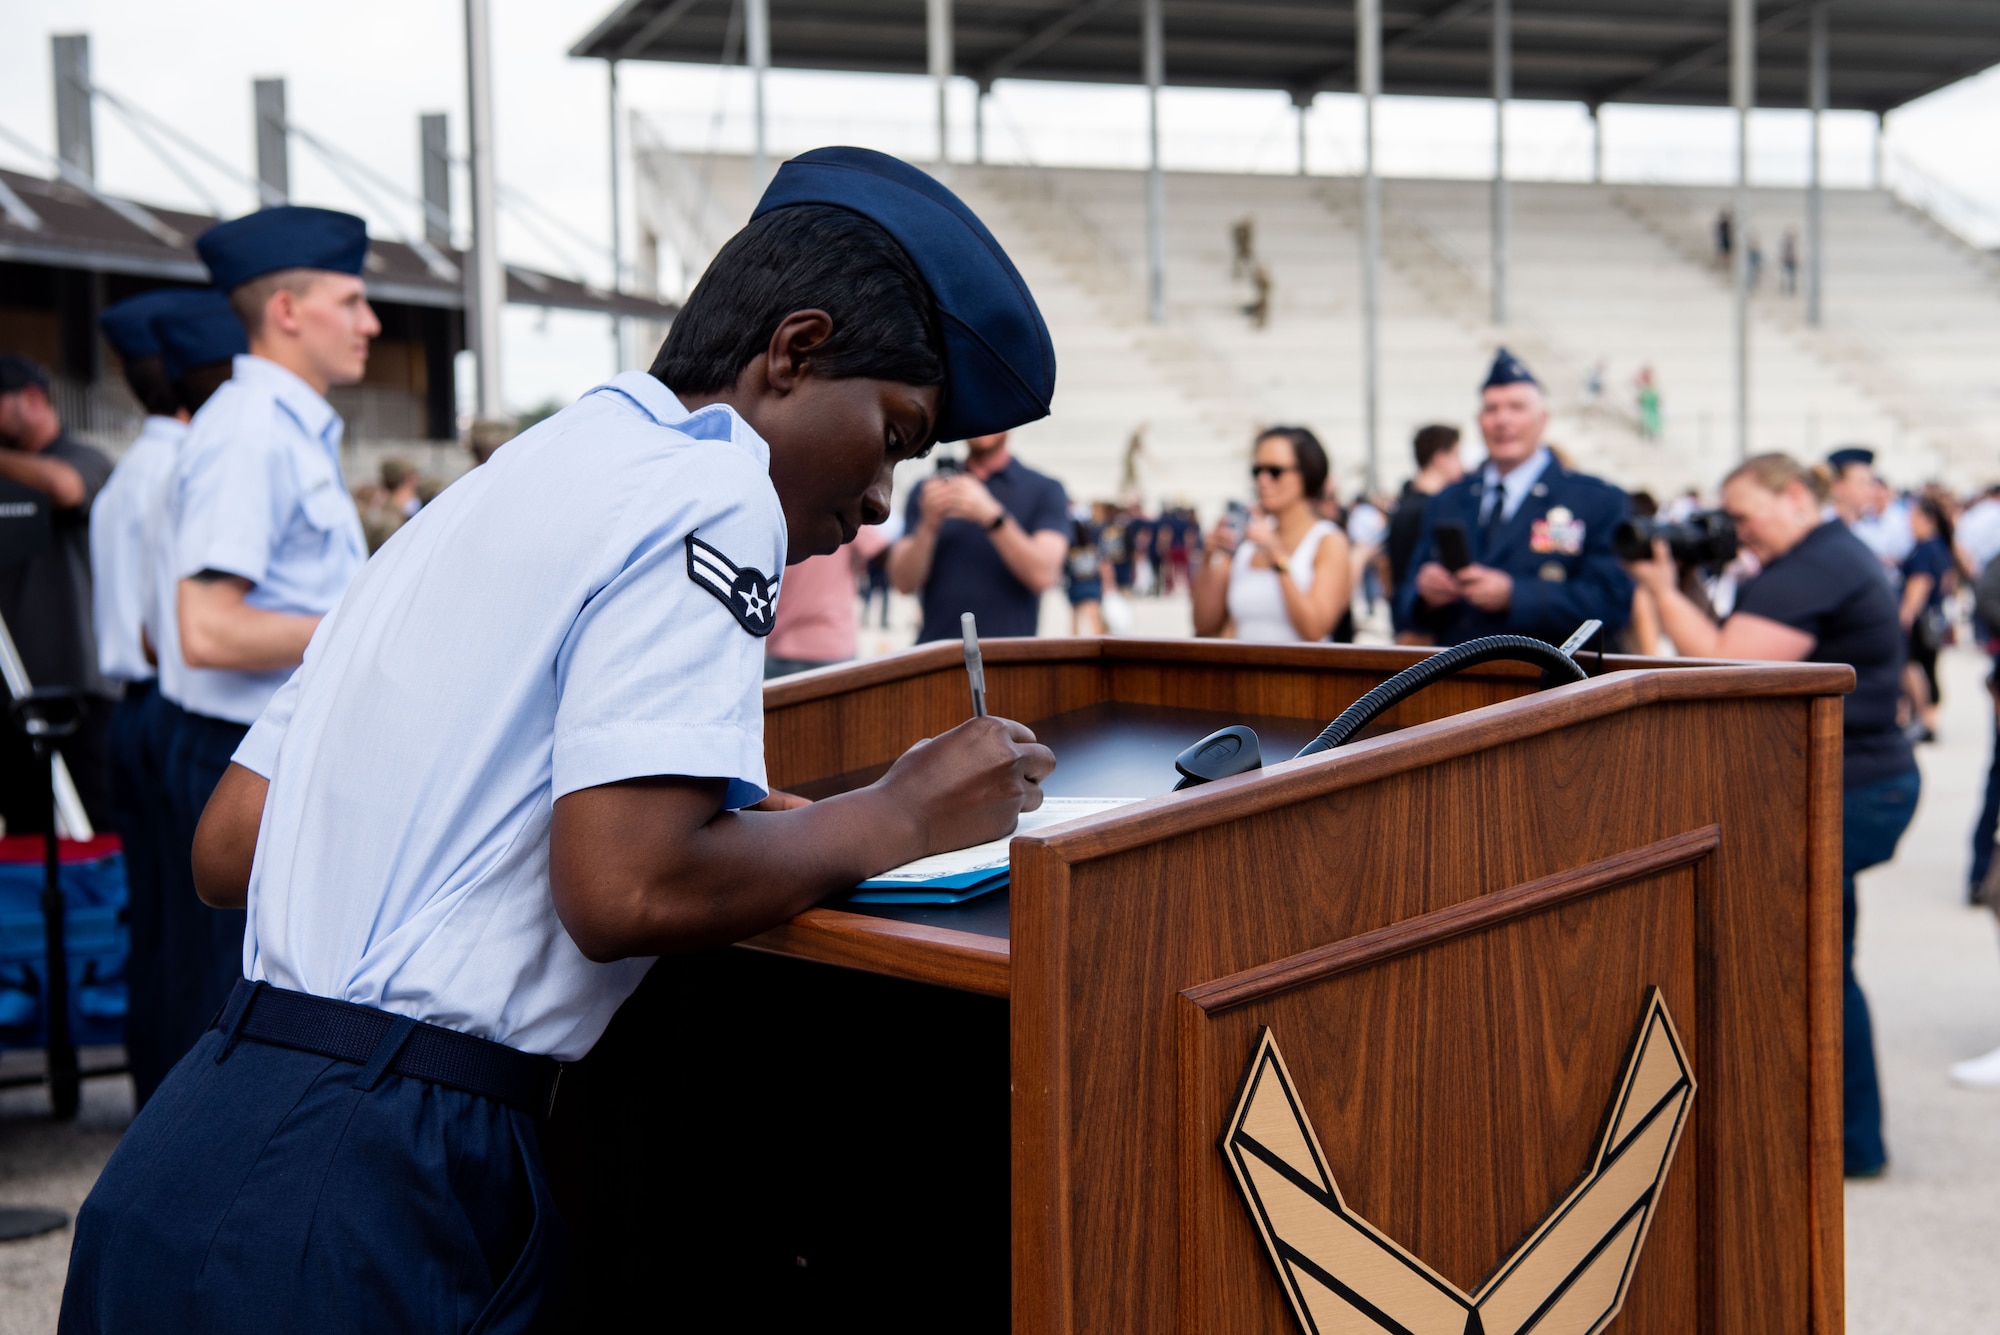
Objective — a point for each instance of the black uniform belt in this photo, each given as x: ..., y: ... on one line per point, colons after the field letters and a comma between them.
x: 383, y: 1043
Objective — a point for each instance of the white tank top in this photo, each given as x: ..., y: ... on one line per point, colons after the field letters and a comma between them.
x: 1257, y: 600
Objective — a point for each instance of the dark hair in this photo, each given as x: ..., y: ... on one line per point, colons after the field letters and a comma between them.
x: 801, y: 258
x: 1311, y: 456
x: 1432, y: 441
x: 147, y: 379
x: 197, y: 383
x: 1643, y: 505
x: 1940, y: 519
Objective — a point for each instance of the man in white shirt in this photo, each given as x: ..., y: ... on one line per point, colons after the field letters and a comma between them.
x: 154, y: 335
x: 525, y: 755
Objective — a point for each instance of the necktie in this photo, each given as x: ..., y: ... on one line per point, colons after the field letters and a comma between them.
x: 1496, y: 510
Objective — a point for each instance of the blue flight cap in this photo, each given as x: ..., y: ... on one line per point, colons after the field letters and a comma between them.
x: 999, y: 365
x: 128, y: 324
x: 200, y: 327
x: 1851, y: 454
x: 287, y: 237
x: 1508, y: 370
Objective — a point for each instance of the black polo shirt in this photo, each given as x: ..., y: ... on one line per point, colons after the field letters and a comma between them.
x: 967, y: 572
x: 46, y: 599
x: 1831, y: 587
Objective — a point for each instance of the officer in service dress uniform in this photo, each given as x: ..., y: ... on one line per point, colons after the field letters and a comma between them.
x: 265, y: 537
x: 153, y: 334
x: 1539, y: 535
x: 526, y: 754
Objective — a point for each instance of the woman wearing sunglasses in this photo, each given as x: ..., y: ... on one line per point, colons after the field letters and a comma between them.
x: 1281, y: 574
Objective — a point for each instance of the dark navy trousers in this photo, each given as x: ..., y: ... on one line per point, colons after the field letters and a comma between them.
x: 1873, y: 818
x: 263, y: 1192
x: 135, y: 769
x: 208, y: 959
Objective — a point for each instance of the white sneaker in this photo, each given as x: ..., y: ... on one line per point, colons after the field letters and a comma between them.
x: 1979, y: 1072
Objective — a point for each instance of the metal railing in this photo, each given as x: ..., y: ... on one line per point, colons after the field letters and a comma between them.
x: 103, y: 413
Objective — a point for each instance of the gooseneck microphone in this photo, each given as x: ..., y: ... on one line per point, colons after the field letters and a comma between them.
x: 1235, y: 750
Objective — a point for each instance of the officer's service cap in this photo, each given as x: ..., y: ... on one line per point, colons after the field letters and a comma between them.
x: 1851, y: 454
x: 128, y: 325
x: 201, y: 327
x: 1509, y: 370
x: 1000, y: 367
x: 18, y: 372
x: 287, y: 237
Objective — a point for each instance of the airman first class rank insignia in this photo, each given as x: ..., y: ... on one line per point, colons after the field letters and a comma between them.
x: 745, y: 592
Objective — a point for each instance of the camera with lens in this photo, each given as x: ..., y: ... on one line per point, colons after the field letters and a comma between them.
x: 1705, y: 540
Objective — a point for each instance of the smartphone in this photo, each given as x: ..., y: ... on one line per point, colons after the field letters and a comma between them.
x: 948, y: 466
x: 1454, y: 552
x: 1237, y: 515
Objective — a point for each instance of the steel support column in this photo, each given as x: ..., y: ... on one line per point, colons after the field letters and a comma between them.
x: 979, y: 97
x: 1155, y: 44
x: 486, y: 280
x: 1816, y: 81
x: 274, y: 142
x: 1503, y: 88
x: 1368, y: 64
x: 1743, y: 96
x: 1302, y: 103
x: 1596, y: 144
x: 937, y: 14
x: 617, y: 221
x: 757, y: 38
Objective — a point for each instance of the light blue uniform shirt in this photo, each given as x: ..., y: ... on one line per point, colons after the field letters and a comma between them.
x: 121, y: 568
x: 545, y: 625
x: 257, y: 493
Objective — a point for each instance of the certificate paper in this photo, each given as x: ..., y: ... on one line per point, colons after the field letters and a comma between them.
x: 971, y: 869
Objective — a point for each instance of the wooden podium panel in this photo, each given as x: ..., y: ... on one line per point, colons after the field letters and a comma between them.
x: 1452, y: 932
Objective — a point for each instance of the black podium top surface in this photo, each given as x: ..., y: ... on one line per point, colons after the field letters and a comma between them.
x: 1105, y: 750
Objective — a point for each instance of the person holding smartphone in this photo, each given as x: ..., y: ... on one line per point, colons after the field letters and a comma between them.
x: 1282, y: 573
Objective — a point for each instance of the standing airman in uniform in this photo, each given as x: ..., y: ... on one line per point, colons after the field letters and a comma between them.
x: 152, y: 334
x: 264, y: 536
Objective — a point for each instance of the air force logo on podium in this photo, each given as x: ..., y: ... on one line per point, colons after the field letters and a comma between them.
x: 1345, y: 1277
x: 745, y: 591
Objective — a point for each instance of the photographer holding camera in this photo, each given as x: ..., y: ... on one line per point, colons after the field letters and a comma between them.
x: 1819, y: 598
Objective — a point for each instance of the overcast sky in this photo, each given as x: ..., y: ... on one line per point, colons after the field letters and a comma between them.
x: 359, y: 74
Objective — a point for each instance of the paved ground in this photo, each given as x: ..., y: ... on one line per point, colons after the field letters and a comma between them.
x: 1920, y: 1241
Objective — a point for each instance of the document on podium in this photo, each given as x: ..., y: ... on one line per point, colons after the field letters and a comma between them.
x: 966, y: 873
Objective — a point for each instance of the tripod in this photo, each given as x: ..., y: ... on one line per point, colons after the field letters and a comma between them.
x: 48, y: 715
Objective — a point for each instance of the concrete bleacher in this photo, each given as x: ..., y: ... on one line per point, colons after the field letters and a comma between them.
x: 1617, y: 276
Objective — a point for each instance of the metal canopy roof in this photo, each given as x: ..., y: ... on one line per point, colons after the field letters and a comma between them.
x: 73, y: 231
x: 1883, y: 52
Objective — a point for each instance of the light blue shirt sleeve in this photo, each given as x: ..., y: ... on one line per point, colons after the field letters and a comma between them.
x: 258, y: 751
x: 657, y: 675
x: 232, y: 497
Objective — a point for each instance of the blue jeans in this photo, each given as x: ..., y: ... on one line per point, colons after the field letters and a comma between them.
x: 1989, y: 815
x: 1874, y: 816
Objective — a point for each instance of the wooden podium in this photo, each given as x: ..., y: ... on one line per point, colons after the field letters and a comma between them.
x: 1446, y: 946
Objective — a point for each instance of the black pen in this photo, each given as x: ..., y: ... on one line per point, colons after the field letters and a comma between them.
x: 975, y: 668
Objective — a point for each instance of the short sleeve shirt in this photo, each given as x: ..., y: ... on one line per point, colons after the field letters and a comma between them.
x: 257, y: 493
x: 120, y: 570
x: 967, y: 571
x: 47, y: 599
x: 1930, y: 557
x: 552, y: 622
x: 1830, y: 586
